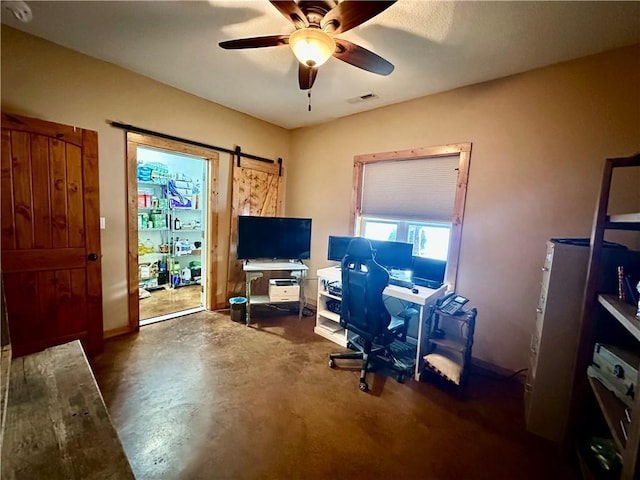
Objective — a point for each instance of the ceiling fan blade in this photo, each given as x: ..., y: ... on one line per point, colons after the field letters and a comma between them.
x: 349, y: 14
x: 292, y: 12
x: 256, y: 42
x: 361, y: 57
x: 306, y: 76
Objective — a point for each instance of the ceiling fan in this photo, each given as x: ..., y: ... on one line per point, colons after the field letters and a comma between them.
x: 313, y: 41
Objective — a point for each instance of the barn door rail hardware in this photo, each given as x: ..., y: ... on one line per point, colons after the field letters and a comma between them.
x: 237, y: 151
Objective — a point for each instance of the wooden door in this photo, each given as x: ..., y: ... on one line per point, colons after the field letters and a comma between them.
x: 257, y: 190
x: 51, y: 260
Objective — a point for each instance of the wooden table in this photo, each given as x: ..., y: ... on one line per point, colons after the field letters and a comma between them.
x: 57, y: 425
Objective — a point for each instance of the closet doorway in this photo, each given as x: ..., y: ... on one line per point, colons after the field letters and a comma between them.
x: 172, y: 223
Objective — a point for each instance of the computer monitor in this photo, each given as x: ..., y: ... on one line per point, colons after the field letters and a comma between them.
x: 391, y: 255
x: 429, y: 269
x: 337, y: 247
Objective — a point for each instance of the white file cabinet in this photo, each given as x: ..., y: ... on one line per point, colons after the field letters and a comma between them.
x: 554, y: 340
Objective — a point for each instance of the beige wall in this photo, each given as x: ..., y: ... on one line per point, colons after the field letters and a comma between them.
x: 539, y: 141
x: 43, y: 80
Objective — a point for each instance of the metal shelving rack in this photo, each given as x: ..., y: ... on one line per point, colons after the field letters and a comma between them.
x: 169, y: 236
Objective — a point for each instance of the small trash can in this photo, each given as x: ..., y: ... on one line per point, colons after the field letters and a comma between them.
x: 238, y: 309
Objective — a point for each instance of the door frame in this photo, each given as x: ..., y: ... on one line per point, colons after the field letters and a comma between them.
x: 211, y: 236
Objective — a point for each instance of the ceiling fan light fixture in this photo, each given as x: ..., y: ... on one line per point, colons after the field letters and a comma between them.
x: 311, y: 46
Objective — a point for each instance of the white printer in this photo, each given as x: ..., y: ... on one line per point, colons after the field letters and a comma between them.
x: 284, y: 290
x: 616, y: 369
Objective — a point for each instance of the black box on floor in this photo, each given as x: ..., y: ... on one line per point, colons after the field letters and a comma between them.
x: 163, y: 277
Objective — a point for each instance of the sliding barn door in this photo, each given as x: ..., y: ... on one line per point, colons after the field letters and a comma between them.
x: 257, y: 190
x: 50, y: 234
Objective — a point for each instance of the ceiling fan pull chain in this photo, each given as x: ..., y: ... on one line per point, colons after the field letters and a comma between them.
x: 309, y: 95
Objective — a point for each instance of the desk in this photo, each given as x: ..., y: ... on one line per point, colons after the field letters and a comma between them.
x: 255, y: 269
x: 327, y: 321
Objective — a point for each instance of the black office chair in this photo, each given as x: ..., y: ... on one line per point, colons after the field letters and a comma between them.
x: 363, y: 312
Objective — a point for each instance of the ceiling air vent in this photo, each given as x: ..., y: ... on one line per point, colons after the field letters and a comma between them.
x: 362, y: 98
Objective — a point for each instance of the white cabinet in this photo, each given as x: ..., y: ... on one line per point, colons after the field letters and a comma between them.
x: 328, y: 308
x: 554, y: 340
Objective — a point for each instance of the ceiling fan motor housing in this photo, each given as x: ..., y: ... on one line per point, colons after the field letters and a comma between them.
x: 315, y: 10
x: 313, y: 41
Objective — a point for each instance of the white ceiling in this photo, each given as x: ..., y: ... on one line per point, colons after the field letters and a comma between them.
x: 435, y: 46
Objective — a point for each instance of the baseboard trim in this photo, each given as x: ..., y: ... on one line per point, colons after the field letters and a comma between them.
x: 482, y: 367
x: 116, y: 332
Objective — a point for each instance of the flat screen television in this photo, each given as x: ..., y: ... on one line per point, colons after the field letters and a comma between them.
x: 273, y: 238
x: 391, y: 255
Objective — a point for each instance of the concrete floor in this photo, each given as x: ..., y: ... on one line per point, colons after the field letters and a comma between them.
x: 207, y: 398
x: 170, y: 300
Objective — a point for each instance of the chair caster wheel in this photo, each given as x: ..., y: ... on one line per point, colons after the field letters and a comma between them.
x: 364, y: 387
x: 332, y: 363
x: 400, y: 378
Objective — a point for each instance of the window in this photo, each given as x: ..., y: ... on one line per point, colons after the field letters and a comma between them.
x: 430, y: 240
x: 415, y: 196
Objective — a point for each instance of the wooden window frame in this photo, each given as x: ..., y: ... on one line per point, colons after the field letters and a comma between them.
x: 463, y: 150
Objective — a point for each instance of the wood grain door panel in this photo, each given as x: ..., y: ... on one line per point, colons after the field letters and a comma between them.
x: 58, y: 311
x: 50, y: 229
x: 257, y: 190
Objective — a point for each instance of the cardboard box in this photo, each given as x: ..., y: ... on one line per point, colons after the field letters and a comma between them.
x: 616, y: 369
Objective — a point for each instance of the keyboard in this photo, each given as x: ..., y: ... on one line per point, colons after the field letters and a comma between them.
x: 400, y: 282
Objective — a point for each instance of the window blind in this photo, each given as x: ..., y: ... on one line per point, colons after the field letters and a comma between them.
x: 420, y: 189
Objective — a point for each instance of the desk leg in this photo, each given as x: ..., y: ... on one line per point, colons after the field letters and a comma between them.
x: 250, y: 277
x: 424, y: 331
x: 421, y: 332
x: 301, y: 276
x: 301, y: 282
x: 248, y: 280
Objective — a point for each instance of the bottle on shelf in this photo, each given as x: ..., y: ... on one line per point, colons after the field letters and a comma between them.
x: 186, y: 274
x: 148, y: 246
x: 176, y: 224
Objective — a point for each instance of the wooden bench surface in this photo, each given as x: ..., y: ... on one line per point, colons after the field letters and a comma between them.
x: 57, y: 425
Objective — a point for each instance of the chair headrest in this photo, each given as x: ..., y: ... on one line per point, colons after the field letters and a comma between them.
x: 360, y: 247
